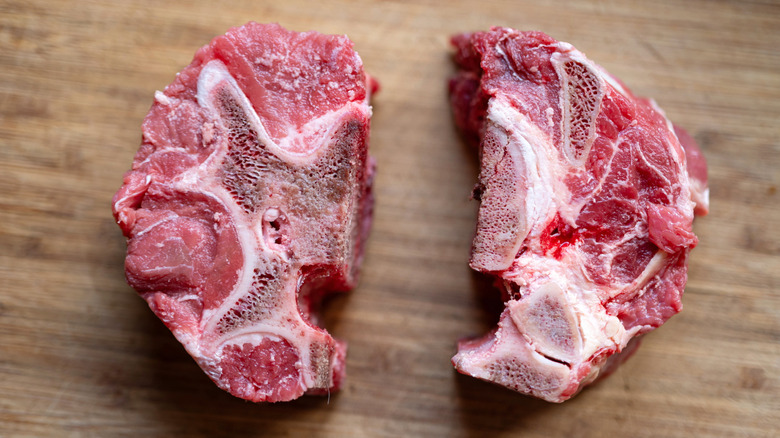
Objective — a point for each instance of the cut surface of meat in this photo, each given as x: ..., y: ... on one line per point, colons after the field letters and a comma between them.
x: 586, y: 210
x: 248, y: 201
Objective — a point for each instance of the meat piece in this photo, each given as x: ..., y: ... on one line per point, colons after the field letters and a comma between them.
x: 249, y: 200
x: 586, y: 210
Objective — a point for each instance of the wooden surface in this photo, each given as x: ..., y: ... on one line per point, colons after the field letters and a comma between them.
x: 81, y: 354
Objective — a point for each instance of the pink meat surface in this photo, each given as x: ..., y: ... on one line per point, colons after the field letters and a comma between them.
x: 586, y: 213
x: 249, y: 200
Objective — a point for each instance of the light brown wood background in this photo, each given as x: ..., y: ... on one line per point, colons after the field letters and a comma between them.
x: 81, y: 355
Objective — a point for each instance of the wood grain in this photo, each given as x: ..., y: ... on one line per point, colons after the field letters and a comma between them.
x: 81, y: 355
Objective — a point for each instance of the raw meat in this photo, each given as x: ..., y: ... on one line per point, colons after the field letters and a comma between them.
x: 248, y: 201
x: 586, y: 210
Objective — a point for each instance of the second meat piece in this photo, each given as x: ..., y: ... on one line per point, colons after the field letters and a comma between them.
x: 586, y: 211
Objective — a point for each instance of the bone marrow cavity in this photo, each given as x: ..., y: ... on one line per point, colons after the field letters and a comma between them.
x: 580, y: 100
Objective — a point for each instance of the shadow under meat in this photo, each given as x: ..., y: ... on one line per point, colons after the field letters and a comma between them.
x: 488, y: 298
x: 486, y: 407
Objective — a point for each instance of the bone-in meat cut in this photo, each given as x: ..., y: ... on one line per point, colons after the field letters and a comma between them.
x: 249, y: 200
x: 587, y: 202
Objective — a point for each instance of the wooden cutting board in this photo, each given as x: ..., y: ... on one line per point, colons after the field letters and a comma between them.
x: 81, y: 355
